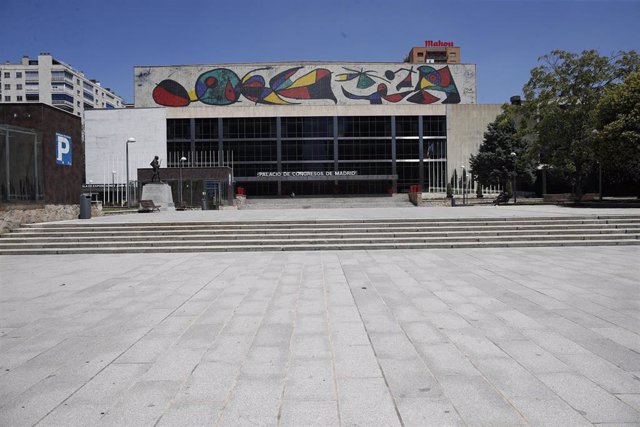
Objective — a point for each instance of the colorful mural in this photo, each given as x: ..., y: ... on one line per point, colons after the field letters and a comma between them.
x: 375, y: 84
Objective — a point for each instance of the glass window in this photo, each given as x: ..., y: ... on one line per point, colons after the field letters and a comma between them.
x: 249, y: 128
x: 252, y: 151
x: 178, y: 129
x: 408, y: 175
x: 364, y: 126
x: 435, y: 148
x: 307, y: 150
x: 307, y: 127
x: 206, y: 128
x: 364, y: 149
x: 407, y: 149
x: 18, y: 74
x: 434, y: 125
x: 406, y: 126
x: 18, y: 87
x: 7, y: 87
x: 367, y: 168
x: 242, y: 169
x: 7, y: 75
x: 19, y: 98
x: 7, y: 98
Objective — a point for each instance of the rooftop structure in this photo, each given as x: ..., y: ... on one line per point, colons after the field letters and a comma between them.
x: 434, y: 52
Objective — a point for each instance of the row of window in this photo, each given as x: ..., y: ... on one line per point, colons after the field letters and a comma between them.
x: 306, y: 127
x: 316, y: 150
x: 20, y: 98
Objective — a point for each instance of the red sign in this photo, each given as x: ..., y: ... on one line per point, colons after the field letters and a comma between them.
x: 437, y: 43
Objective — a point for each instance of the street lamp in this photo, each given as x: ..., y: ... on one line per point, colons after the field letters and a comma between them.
x: 595, y: 133
x: 182, y: 159
x: 464, y: 185
x: 113, y: 187
x: 515, y: 174
x: 129, y: 141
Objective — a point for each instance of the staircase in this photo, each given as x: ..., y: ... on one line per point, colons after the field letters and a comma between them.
x: 393, y: 201
x: 105, y: 238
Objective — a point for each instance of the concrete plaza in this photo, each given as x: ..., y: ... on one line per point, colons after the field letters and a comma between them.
x: 499, y: 337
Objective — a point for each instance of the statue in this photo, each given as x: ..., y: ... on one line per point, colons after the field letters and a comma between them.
x: 155, y: 164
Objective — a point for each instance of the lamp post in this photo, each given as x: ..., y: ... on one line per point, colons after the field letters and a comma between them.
x: 113, y: 187
x: 129, y: 141
x: 464, y: 185
x: 182, y: 159
x: 595, y: 133
x: 515, y: 174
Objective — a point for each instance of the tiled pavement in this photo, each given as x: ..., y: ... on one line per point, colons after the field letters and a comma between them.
x: 500, y: 337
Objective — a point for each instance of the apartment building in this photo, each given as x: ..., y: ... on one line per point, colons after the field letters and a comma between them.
x: 50, y: 81
x: 434, y: 52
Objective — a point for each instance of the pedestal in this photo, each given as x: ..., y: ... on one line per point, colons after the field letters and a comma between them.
x: 160, y: 194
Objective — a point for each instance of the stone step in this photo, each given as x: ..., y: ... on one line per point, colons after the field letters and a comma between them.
x: 334, y: 222
x: 313, y: 241
x: 315, y: 247
x: 70, y: 238
x: 180, y: 231
x: 128, y: 237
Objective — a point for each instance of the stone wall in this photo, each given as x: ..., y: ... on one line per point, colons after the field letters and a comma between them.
x: 13, y: 216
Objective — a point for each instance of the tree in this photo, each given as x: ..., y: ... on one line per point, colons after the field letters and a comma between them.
x: 494, y: 165
x: 560, y: 108
x: 618, y: 130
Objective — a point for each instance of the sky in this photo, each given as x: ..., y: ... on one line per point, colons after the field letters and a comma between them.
x: 504, y: 38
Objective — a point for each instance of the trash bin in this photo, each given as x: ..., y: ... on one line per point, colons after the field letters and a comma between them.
x: 205, y: 205
x: 85, y: 206
x: 453, y: 201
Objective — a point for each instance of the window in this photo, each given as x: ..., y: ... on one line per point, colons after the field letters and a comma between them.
x: 364, y: 126
x: 18, y: 87
x: 249, y: 128
x: 7, y: 87
x: 7, y: 75
x: 7, y: 98
x: 434, y: 125
x: 178, y: 129
x: 33, y: 97
x: 307, y: 127
x: 19, y: 75
x: 19, y: 98
x: 206, y: 128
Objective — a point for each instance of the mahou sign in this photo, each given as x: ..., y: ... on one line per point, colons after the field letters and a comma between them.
x: 437, y: 43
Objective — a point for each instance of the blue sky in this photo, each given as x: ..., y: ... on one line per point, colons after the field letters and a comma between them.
x: 107, y: 38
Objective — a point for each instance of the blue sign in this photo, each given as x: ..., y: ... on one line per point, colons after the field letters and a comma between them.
x: 63, y: 149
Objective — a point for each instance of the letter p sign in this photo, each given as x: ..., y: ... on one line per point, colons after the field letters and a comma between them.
x: 63, y: 149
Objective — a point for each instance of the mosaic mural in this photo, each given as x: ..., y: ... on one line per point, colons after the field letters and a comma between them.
x: 314, y: 85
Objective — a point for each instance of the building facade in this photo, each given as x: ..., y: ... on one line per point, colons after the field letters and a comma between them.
x: 50, y: 81
x: 307, y: 128
x: 41, y: 154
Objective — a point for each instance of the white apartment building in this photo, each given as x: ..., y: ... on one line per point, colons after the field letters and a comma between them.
x: 50, y: 81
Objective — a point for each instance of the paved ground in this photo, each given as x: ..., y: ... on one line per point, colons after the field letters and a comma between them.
x: 502, y: 337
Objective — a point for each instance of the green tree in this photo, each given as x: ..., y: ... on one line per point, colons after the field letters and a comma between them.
x: 560, y: 108
x: 618, y: 130
x: 494, y: 164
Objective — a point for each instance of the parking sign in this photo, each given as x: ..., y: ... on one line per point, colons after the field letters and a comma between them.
x: 63, y: 149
